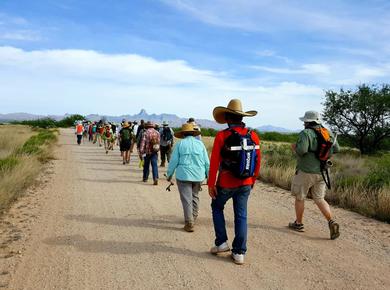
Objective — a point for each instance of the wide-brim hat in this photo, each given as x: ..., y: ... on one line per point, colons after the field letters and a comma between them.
x: 126, y: 125
x: 311, y: 116
x: 234, y: 107
x: 165, y: 123
x: 187, y: 128
x: 149, y: 124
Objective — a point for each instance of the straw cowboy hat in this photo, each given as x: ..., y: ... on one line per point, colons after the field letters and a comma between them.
x: 311, y: 116
x: 186, y: 128
x: 126, y: 125
x: 234, y: 107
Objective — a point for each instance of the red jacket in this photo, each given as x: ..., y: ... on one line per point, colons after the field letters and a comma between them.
x: 225, y: 178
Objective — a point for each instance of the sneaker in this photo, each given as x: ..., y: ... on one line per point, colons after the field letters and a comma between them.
x: 220, y: 249
x: 334, y: 229
x: 238, y: 258
x: 189, y: 227
x: 296, y: 227
x: 155, y: 182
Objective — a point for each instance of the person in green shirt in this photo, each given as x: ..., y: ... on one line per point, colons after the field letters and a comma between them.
x: 308, y: 177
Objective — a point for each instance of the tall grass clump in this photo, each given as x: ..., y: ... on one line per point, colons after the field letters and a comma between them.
x: 19, y: 169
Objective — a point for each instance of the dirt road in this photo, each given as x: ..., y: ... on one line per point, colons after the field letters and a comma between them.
x: 94, y: 225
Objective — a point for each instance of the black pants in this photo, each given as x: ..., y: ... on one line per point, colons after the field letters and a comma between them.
x: 79, y: 138
x: 165, y: 154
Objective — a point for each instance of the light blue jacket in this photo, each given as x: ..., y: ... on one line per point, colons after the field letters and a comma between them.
x: 190, y: 160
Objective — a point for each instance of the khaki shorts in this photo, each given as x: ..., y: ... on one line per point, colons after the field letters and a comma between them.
x: 304, y: 182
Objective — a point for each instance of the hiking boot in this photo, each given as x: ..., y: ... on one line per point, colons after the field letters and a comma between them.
x: 124, y: 163
x: 106, y: 151
x: 189, y: 227
x: 224, y: 247
x: 238, y: 258
x: 144, y: 180
x: 334, y: 229
x: 296, y: 227
x: 155, y: 182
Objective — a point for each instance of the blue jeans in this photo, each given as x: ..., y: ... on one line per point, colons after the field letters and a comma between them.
x: 240, y: 197
x: 150, y: 159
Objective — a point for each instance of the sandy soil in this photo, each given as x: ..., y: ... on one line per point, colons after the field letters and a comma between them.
x: 92, y: 224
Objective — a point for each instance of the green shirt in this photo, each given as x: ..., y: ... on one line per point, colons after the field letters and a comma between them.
x: 306, y: 146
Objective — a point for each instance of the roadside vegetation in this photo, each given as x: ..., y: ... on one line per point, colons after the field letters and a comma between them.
x: 48, y: 123
x: 23, y: 151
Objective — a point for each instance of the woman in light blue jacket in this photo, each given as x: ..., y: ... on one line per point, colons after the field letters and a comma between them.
x: 191, y: 162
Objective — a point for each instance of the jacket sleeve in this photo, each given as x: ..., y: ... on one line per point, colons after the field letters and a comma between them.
x: 206, y: 161
x: 215, y: 159
x: 174, y: 161
x: 302, y: 144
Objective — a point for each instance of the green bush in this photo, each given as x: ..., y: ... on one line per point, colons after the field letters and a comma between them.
x: 379, y: 175
x: 32, y: 146
x: 47, y: 123
x: 8, y: 163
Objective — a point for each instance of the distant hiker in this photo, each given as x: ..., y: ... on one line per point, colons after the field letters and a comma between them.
x: 236, y: 158
x: 149, y: 147
x: 99, y: 132
x: 139, y: 135
x: 166, y: 143
x: 85, y: 132
x: 94, y: 132
x: 79, y: 132
x: 90, y: 133
x: 140, y: 128
x: 191, y: 163
x: 108, y: 138
x: 125, y: 142
x: 196, y: 127
x: 310, y: 176
x: 134, y: 129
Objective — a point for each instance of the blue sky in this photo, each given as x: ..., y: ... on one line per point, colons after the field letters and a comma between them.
x: 188, y: 56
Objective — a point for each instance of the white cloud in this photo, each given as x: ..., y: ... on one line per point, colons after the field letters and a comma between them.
x: 85, y: 81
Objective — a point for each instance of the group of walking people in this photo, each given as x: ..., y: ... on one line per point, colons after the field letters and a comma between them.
x: 232, y: 169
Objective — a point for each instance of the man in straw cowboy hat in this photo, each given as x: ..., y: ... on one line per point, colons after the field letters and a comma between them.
x: 308, y: 173
x: 191, y: 163
x: 149, y: 147
x: 233, y: 147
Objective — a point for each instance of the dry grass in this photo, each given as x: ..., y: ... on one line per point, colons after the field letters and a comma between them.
x: 22, y: 154
x: 13, y: 137
x: 16, y: 180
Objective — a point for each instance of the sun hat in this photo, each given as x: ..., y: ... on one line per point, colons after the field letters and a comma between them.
x: 234, y: 107
x: 186, y: 128
x: 311, y: 116
x: 165, y: 124
x: 149, y: 124
x: 126, y: 125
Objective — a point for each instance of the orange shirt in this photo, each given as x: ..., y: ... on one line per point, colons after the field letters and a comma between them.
x: 225, y: 178
x: 79, y: 129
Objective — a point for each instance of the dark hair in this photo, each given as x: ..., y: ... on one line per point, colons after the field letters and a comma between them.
x: 230, y: 117
x: 310, y: 124
x: 191, y: 120
x: 188, y: 134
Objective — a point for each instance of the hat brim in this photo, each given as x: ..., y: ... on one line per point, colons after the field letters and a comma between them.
x: 180, y: 134
x: 303, y: 119
x: 219, y: 114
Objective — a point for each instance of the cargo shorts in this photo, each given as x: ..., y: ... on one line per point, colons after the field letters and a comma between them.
x: 304, y: 182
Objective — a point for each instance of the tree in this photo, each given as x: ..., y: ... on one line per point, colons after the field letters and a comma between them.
x: 361, y: 115
x: 70, y: 120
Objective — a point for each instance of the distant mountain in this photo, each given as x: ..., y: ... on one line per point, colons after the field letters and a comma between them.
x: 270, y: 128
x: 173, y: 120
